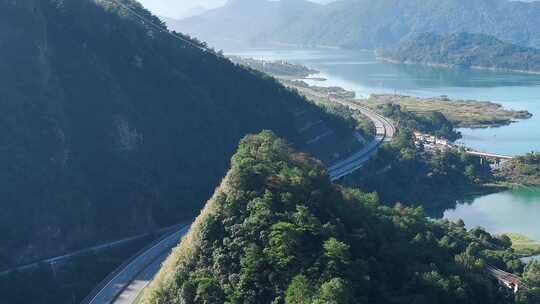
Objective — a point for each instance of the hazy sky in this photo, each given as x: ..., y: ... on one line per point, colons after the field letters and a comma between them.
x: 179, y: 8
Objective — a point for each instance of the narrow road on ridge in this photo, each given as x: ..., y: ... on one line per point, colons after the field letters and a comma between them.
x: 127, y: 283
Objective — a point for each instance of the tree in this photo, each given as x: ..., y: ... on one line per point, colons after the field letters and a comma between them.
x: 208, y: 292
x: 531, y: 279
x: 283, y: 245
x: 335, y: 291
x: 531, y: 274
x: 300, y: 291
x: 252, y: 281
x: 337, y: 255
x: 305, y: 220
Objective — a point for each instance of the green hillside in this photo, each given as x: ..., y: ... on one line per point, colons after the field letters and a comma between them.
x: 111, y: 127
x: 465, y: 50
x: 277, y: 231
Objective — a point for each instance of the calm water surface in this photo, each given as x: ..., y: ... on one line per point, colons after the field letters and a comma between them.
x: 361, y: 72
x: 511, y: 211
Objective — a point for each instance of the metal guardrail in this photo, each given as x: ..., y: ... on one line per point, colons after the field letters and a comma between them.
x: 122, y: 266
x: 371, y: 150
x: 55, y: 260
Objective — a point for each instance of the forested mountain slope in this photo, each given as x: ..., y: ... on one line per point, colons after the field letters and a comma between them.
x: 277, y: 231
x: 465, y: 50
x: 110, y: 127
x: 371, y: 24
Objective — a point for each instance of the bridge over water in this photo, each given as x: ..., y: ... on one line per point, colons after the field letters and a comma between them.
x: 493, y: 156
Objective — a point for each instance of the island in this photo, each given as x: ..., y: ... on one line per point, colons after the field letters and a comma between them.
x: 462, y: 113
x: 464, y: 50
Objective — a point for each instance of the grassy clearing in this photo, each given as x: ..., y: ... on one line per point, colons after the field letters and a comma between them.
x: 524, y: 245
x: 463, y: 113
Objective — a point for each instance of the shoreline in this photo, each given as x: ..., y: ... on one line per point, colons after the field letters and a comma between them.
x: 470, y: 194
x: 469, y: 114
x: 500, y: 116
x: 525, y: 251
x: 454, y: 66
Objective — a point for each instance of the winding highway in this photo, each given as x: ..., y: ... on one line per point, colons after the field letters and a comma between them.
x: 125, y: 285
x: 385, y: 131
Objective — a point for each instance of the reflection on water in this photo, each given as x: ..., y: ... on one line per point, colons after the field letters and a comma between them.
x: 510, y: 211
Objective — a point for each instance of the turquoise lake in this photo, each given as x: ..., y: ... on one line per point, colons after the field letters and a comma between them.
x: 511, y: 211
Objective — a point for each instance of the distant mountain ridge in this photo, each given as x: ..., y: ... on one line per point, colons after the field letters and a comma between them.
x: 364, y: 23
x: 465, y: 50
x: 243, y: 20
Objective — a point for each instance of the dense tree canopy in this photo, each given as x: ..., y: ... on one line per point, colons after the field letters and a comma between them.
x: 530, y: 292
x: 277, y: 231
x: 403, y: 172
x: 465, y: 50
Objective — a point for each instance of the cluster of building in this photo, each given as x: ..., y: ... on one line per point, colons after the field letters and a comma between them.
x: 431, y: 143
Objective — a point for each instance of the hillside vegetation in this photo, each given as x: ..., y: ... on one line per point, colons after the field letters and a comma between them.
x: 277, y: 231
x: 363, y: 23
x: 465, y: 50
x: 523, y: 171
x: 111, y: 127
x: 405, y: 172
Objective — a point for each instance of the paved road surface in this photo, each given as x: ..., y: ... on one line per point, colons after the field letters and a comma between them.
x: 132, y: 291
x: 131, y: 280
x: 59, y: 260
x: 126, y: 286
x: 384, y: 132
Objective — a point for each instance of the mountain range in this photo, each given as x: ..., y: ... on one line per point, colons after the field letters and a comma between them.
x: 362, y: 23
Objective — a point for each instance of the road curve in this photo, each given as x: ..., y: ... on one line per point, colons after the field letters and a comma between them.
x: 127, y: 284
x: 129, y: 281
x: 385, y: 131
